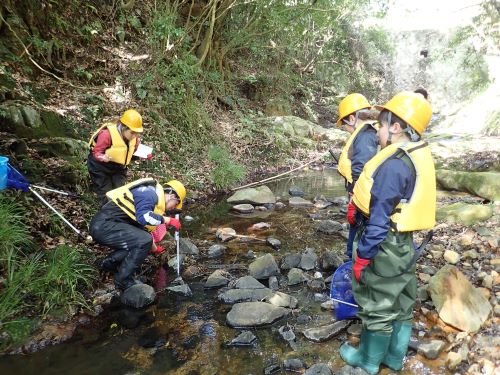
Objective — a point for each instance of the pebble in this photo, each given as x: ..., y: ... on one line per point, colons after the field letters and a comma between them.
x: 453, y: 360
x: 496, y: 310
x: 328, y: 305
x: 451, y: 256
x: 488, y: 282
x: 431, y: 350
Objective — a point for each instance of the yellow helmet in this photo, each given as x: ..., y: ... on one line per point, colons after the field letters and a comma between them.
x: 411, y: 107
x: 132, y: 120
x: 350, y: 104
x: 179, y: 189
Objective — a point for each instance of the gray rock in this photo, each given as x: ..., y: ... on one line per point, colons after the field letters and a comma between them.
x: 320, y: 297
x: 296, y: 191
x: 349, y: 370
x: 291, y: 261
x: 280, y: 205
x: 324, y: 333
x: 245, y: 338
x: 187, y: 247
x: 254, y: 314
x: 355, y: 329
x: 330, y: 261
x: 263, y: 267
x: 319, y: 369
x: 322, y: 204
x: 282, y: 300
x: 328, y: 305
x: 138, y: 296
x: 183, y: 290
x: 300, y: 202
x: 340, y: 201
x: 464, y: 213
x: 172, y: 262
x: 225, y: 234
x: 309, y: 260
x: 431, y: 349
x: 250, y: 254
x: 273, y: 242
x: 256, y: 196
x: 273, y: 283
x: 329, y: 227
x: 216, y: 251
x: 294, y: 365
x: 244, y: 208
x: 271, y: 369
x: 296, y: 276
x: 217, y: 279
x: 482, y: 184
x: 286, y: 333
x: 232, y: 296
x: 422, y: 294
x: 430, y: 270
x: 248, y: 282
x: 316, y: 285
x: 457, y: 302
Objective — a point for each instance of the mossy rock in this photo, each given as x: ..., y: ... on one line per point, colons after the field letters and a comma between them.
x: 482, y: 184
x: 278, y: 107
x: 464, y: 213
x: 61, y: 147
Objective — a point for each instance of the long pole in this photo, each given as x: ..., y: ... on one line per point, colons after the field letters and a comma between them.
x: 345, y: 303
x: 53, y: 190
x: 177, y: 240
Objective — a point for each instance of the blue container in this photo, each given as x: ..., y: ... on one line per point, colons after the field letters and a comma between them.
x: 341, y: 289
x: 4, y: 168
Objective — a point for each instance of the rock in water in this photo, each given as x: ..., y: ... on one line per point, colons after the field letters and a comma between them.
x: 253, y: 314
x: 138, y: 296
x: 457, y: 301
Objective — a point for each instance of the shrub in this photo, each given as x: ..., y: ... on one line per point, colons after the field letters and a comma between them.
x: 226, y: 172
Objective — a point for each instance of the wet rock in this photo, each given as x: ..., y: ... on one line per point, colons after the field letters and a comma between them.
x: 464, y: 213
x: 430, y: 270
x: 245, y: 338
x: 431, y: 349
x: 294, y: 365
x: 271, y: 369
x: 453, y: 360
x: 244, y: 208
x: 151, y: 338
x: 253, y: 314
x: 282, y: 299
x: 183, y: 290
x: 320, y: 297
x: 451, y: 256
x: 296, y: 191
x: 250, y: 254
x: 263, y: 267
x: 309, y: 260
x: 130, y: 317
x: 259, y: 226
x: 329, y: 227
x: 349, y: 370
x: 340, y: 201
x: 324, y: 333
x: 291, y: 261
x: 256, y: 196
x: 316, y: 285
x: 187, y: 247
x: 232, y: 296
x: 191, y: 272
x: 216, y: 251
x: 172, y: 262
x: 273, y: 283
x: 457, y: 301
x: 296, y: 276
x: 422, y: 294
x: 138, y: 296
x: 330, y: 261
x: 225, y: 234
x: 300, y: 202
x: 482, y: 184
x: 328, y: 305
x: 280, y: 205
x: 319, y: 369
x: 217, y: 279
x: 273, y: 242
x: 188, y: 218
x: 248, y: 282
x: 286, y: 333
x: 190, y: 342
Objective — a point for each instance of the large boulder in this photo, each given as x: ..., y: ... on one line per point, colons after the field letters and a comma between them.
x: 260, y: 195
x: 244, y: 295
x: 61, y: 147
x: 464, y: 213
x: 482, y: 184
x: 457, y: 301
x: 254, y: 314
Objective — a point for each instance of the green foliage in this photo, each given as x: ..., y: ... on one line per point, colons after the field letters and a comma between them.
x: 80, y: 72
x: 18, y: 330
x: 225, y: 172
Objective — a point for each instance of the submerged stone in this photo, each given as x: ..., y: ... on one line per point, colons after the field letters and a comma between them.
x: 257, y: 196
x: 324, y: 333
x: 254, y: 314
x: 138, y: 295
x: 245, y: 338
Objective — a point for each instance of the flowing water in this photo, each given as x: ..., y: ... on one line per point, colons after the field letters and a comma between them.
x: 179, y: 335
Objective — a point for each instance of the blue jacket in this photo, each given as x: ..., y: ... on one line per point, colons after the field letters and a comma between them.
x: 364, y: 147
x: 392, y: 182
x: 145, y: 200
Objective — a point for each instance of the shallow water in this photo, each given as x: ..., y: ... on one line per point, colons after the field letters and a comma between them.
x: 188, y: 336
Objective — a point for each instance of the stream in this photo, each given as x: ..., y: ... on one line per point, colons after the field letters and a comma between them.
x: 180, y: 335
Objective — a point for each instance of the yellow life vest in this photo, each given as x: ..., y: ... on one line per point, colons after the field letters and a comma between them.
x: 124, y: 199
x: 119, y: 152
x: 344, y: 166
x: 416, y: 213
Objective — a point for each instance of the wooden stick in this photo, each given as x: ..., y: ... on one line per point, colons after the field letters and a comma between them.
x: 278, y: 175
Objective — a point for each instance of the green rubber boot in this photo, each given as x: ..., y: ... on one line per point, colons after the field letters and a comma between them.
x: 372, y: 349
x: 401, y: 333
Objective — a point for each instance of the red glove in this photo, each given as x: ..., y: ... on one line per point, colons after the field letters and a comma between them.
x: 174, y: 223
x: 159, y: 250
x: 351, y: 213
x: 358, y: 266
x: 150, y: 156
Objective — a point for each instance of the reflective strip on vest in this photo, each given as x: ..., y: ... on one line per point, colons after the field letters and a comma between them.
x: 119, y: 152
x: 418, y: 212
x: 344, y: 166
x: 124, y: 199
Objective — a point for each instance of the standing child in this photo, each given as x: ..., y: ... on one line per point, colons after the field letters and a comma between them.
x: 396, y: 194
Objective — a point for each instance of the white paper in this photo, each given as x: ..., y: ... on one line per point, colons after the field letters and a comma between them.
x: 143, y: 151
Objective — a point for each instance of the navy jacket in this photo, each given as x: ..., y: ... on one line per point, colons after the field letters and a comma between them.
x: 364, y: 148
x: 393, y: 181
x: 145, y: 200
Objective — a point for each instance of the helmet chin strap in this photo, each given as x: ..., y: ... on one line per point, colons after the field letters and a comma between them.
x: 353, y: 123
x: 389, y: 139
